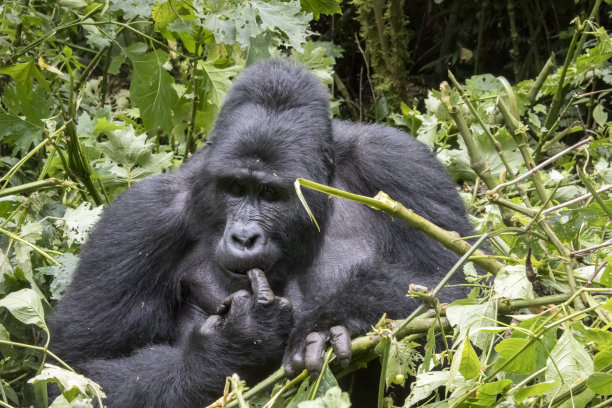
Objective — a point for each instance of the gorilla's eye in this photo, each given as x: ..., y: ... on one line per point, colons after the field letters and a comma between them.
x: 269, y: 193
x: 236, y: 188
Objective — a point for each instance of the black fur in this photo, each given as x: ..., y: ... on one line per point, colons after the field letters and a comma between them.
x: 168, y: 252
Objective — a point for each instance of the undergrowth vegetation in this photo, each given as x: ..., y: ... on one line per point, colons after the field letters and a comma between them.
x: 96, y: 96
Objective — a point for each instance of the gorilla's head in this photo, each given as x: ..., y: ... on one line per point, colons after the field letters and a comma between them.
x: 273, y: 128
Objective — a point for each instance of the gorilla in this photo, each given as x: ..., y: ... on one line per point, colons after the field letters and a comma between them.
x: 216, y: 268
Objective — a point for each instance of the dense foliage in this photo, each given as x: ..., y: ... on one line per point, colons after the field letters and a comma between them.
x: 98, y: 95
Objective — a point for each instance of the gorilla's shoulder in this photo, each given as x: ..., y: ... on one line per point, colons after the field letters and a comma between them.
x: 379, y: 142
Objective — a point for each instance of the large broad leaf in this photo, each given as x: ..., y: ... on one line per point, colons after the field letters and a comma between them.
x: 512, y: 283
x: 568, y: 363
x: 62, y: 274
x: 467, y: 317
x: 79, y: 221
x: 524, y: 362
x: 133, y: 8
x: 318, y: 7
x: 151, y: 88
x: 129, y: 157
x: 217, y: 81
x: 26, y: 306
x: 23, y: 73
x: 71, y: 384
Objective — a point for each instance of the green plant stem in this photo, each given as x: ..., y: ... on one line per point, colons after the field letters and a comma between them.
x: 363, y: 347
x: 494, y: 142
x: 520, y: 138
x: 477, y: 163
x: 496, y: 199
x: 544, y: 73
x: 515, y: 52
x: 553, y: 111
x: 576, y: 389
x: 34, y: 247
x: 43, y: 349
x: 34, y: 186
x: 190, y: 144
x: 592, y: 17
x: 384, y: 203
x: 593, y: 192
x: 382, y: 382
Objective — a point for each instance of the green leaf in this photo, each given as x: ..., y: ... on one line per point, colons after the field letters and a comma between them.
x: 62, y: 274
x: 333, y: 398
x: 470, y: 364
x: 217, y: 81
x: 79, y: 221
x: 600, y: 116
x: 601, y: 383
x: 571, y: 363
x: 402, y: 360
x: 318, y: 7
x: 486, y: 396
x: 512, y: 283
x: 426, y: 383
x: 23, y: 73
x: 130, y: 158
x: 151, y: 89
x: 133, y: 8
x: 523, y: 363
x: 71, y: 384
x: 471, y: 318
x: 602, y: 359
x: 532, y: 391
x: 26, y: 306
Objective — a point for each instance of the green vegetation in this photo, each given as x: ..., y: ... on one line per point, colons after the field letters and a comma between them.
x: 96, y: 96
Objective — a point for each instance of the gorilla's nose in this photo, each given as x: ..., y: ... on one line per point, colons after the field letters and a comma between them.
x: 248, y: 237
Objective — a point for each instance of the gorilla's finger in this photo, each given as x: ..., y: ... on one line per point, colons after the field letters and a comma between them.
x: 284, y: 304
x: 261, y: 288
x: 225, y: 306
x: 295, y: 365
x: 340, y: 340
x: 315, y: 353
x: 210, y: 325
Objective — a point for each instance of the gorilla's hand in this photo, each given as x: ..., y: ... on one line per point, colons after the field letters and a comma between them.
x: 260, y: 318
x: 309, y: 352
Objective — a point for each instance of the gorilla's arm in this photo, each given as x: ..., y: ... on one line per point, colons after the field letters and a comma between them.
x: 118, y: 321
x: 369, y: 159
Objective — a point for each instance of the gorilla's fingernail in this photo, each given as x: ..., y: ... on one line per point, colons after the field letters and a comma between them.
x: 210, y: 325
x: 285, y: 304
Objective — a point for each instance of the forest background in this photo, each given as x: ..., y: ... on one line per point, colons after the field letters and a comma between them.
x: 512, y: 96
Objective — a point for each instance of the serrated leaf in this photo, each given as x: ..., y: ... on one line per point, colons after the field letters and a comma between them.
x: 129, y: 157
x: 318, y: 7
x: 22, y: 74
x: 571, y: 363
x: 217, y: 81
x: 26, y: 306
x: 71, y: 384
x: 470, y: 364
x: 133, y: 8
x: 426, y: 383
x: 78, y: 222
x: 62, y: 274
x: 402, y: 359
x: 151, y: 89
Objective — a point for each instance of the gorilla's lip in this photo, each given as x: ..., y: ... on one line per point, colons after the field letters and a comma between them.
x: 240, y: 273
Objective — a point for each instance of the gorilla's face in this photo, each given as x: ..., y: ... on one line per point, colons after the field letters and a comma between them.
x: 254, y: 207
x: 253, y: 161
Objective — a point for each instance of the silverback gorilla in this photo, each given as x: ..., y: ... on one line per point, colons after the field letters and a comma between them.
x: 216, y: 268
